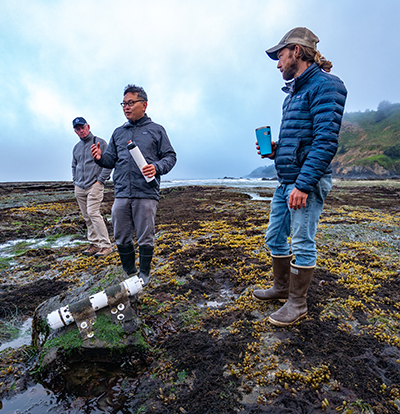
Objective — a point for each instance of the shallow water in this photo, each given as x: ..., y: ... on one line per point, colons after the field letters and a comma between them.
x: 86, y: 387
x: 35, y: 400
x: 9, y: 248
x: 24, y: 338
x: 38, y: 400
x: 257, y: 197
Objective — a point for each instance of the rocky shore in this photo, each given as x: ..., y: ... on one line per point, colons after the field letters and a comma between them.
x: 202, y: 345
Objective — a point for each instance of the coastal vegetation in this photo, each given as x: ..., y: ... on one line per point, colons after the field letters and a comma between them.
x: 206, y: 345
x: 369, y: 143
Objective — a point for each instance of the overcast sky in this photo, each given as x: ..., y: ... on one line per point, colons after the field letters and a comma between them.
x: 202, y: 63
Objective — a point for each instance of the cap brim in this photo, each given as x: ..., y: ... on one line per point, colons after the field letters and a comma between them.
x: 273, y: 51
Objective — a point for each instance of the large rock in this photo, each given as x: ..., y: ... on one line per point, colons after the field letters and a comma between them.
x: 374, y: 171
x: 93, y: 335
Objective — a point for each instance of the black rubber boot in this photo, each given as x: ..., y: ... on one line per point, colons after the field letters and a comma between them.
x: 280, y: 289
x: 145, y: 256
x: 127, y: 256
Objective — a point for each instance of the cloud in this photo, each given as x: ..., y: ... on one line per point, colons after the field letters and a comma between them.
x: 48, y: 106
x: 202, y: 64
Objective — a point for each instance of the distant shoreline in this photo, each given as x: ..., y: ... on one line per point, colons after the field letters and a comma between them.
x: 68, y: 186
x: 249, y: 179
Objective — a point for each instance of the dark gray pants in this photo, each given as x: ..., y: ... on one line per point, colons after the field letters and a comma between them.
x: 130, y: 214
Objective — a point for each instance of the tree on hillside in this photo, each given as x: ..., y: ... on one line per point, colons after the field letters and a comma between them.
x: 385, y: 109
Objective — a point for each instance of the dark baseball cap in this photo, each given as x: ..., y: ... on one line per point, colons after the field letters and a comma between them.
x: 79, y: 121
x: 298, y: 36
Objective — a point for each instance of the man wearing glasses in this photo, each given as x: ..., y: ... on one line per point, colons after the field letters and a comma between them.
x: 136, y: 200
x: 89, y: 179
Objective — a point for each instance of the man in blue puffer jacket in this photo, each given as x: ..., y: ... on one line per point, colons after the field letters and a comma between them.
x: 308, y: 141
x: 136, y: 200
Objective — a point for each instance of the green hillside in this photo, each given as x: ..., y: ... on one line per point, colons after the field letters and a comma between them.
x: 369, y: 143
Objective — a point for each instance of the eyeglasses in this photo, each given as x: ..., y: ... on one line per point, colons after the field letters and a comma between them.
x: 130, y: 103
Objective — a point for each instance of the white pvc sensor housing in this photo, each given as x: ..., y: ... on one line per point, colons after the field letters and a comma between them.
x: 63, y: 317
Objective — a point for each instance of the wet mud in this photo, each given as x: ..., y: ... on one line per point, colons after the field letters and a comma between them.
x: 209, y: 346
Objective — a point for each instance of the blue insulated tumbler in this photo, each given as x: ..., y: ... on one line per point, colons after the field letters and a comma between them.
x: 263, y: 135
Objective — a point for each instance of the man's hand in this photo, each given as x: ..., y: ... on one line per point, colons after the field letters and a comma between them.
x: 273, y: 148
x: 149, y: 170
x: 96, y: 151
x: 297, y: 199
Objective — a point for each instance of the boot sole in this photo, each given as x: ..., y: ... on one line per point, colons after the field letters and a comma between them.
x: 283, y: 324
x: 269, y: 300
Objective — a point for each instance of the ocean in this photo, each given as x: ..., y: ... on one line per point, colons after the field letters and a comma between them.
x: 248, y: 186
x: 229, y: 182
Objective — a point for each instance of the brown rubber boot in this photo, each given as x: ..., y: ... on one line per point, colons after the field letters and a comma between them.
x: 280, y: 290
x: 296, y: 306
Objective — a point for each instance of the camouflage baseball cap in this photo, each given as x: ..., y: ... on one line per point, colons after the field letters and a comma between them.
x: 299, y: 36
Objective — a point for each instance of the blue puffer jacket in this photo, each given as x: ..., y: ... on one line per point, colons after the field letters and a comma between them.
x: 311, y: 119
x: 156, y: 148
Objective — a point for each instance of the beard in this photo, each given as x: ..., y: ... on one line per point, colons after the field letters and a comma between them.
x: 290, y: 72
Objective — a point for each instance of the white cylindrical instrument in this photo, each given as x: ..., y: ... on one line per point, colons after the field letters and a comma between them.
x: 63, y: 317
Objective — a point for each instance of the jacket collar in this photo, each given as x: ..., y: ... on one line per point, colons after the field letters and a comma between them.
x: 143, y: 120
x: 88, y: 137
x: 294, y: 85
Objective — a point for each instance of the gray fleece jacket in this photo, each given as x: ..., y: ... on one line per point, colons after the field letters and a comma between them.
x: 85, y: 172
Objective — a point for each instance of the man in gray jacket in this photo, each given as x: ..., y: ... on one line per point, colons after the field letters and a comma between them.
x: 89, y: 179
x: 136, y: 200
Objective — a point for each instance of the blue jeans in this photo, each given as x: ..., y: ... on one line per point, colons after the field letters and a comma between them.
x: 303, y: 222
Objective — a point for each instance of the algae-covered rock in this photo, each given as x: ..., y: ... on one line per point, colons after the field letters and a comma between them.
x: 107, y: 333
